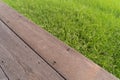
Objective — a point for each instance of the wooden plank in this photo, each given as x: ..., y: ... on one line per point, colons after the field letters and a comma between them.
x: 68, y: 62
x: 20, y: 62
x: 2, y: 75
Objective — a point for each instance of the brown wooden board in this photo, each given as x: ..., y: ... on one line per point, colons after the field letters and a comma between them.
x: 19, y: 62
x: 68, y: 62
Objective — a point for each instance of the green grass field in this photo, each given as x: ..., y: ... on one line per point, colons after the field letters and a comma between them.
x: 92, y: 27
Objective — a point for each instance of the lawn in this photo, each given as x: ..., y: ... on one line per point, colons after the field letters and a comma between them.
x: 92, y: 27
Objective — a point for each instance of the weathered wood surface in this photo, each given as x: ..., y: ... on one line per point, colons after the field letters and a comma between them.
x: 2, y: 75
x: 69, y: 63
x: 19, y: 62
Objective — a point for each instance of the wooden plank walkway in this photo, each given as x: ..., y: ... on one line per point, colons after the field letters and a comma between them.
x: 27, y: 52
x: 19, y: 61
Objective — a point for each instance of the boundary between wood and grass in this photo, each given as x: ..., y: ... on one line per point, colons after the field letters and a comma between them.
x: 70, y: 64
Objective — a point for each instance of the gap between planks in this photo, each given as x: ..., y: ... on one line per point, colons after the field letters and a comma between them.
x: 3, y: 75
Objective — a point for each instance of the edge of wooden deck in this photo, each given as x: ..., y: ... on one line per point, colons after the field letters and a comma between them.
x: 64, y: 59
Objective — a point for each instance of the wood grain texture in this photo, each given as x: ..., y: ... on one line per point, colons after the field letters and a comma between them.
x: 21, y: 63
x: 2, y: 75
x: 71, y: 64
